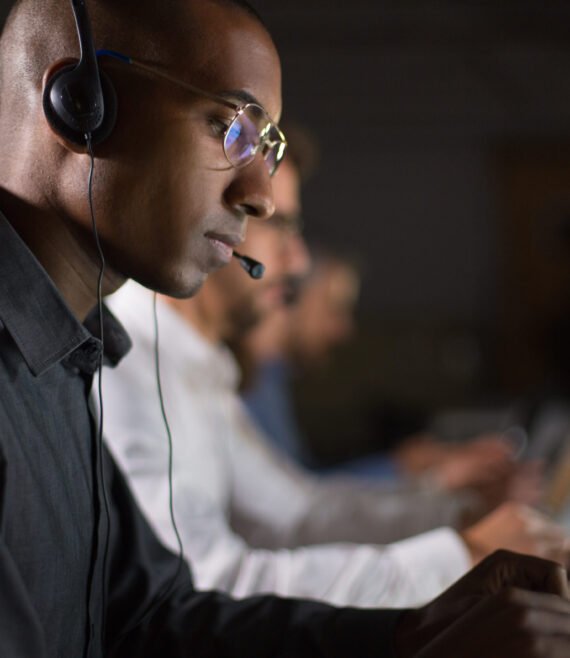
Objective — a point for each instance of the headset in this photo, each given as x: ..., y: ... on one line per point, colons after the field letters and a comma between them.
x: 78, y: 99
x: 80, y: 104
x: 253, y: 267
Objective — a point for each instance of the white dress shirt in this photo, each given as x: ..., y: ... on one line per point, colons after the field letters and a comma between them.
x: 251, y: 522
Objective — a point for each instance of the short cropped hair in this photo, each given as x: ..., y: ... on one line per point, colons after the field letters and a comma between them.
x: 247, y: 7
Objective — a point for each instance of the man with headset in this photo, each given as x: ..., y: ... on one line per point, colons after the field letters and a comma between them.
x: 173, y: 182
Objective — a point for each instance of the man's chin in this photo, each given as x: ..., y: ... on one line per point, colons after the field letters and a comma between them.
x: 183, y: 290
x: 180, y: 286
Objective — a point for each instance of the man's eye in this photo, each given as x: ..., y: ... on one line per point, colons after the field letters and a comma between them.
x: 219, y: 126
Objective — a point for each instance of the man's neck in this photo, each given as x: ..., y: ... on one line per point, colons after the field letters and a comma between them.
x: 67, y: 254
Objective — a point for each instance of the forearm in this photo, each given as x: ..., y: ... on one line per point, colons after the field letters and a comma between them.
x: 403, y: 574
x: 341, y: 511
x: 210, y: 625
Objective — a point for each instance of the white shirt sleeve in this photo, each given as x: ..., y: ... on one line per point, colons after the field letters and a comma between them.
x: 250, y: 523
x: 409, y: 572
x: 275, y: 503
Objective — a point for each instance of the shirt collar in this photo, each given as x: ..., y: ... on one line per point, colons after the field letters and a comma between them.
x: 37, y: 317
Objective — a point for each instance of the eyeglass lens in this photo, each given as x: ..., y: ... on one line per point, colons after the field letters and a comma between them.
x: 251, y: 129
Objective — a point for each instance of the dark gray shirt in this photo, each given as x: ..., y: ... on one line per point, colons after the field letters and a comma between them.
x: 54, y: 598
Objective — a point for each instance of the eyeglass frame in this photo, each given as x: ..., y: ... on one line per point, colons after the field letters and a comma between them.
x: 238, y: 108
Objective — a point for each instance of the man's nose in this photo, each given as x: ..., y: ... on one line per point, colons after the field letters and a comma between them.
x: 250, y: 191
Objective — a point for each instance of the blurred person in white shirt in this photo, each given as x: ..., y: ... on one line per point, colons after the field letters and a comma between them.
x: 250, y: 521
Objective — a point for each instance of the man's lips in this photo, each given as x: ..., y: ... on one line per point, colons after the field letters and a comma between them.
x: 224, y: 244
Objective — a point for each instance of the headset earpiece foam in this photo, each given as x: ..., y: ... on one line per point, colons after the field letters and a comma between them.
x: 68, y: 122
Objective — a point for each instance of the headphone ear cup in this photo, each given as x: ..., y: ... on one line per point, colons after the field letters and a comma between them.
x: 110, y: 114
x: 62, y: 126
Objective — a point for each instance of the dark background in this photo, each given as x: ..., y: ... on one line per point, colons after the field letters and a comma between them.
x: 444, y: 129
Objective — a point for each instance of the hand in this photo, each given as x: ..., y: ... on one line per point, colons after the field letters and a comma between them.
x: 478, y: 464
x: 509, y: 605
x: 419, y: 453
x: 518, y: 482
x: 527, y: 483
x: 517, y: 528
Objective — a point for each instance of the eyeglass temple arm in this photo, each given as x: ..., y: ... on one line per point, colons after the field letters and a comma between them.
x: 126, y: 59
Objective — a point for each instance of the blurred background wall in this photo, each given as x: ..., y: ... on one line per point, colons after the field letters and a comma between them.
x: 444, y: 128
x: 445, y: 136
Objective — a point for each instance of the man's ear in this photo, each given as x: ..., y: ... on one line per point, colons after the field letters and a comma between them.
x: 49, y: 73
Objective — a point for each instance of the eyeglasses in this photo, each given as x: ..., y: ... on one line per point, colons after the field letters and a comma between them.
x: 251, y: 130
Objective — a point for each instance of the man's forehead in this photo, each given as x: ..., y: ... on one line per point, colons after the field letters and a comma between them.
x: 226, y: 50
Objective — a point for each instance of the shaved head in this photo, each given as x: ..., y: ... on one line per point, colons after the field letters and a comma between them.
x: 38, y: 32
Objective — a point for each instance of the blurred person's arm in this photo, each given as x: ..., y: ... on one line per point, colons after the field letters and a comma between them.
x: 276, y: 504
x: 207, y: 493
x: 406, y: 573
x: 313, y: 509
x: 485, y: 465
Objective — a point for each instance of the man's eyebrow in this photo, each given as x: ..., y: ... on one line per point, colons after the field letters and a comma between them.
x: 240, y: 95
